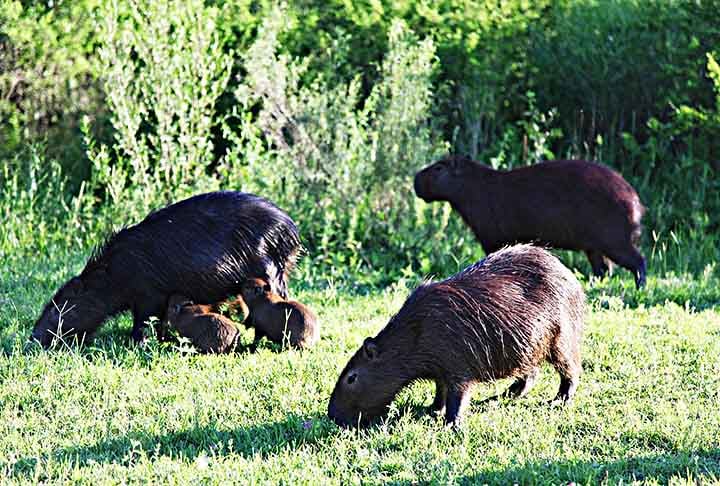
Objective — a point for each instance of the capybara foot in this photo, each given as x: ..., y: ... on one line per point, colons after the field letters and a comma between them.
x: 640, y: 275
x: 522, y: 385
x: 455, y: 405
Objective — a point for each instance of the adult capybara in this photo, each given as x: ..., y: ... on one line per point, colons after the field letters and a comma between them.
x: 570, y: 204
x: 204, y: 247
x: 499, y: 318
x: 278, y: 319
x: 208, y: 331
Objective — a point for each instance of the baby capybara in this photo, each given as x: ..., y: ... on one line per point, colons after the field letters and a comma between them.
x: 203, y: 247
x: 570, y: 204
x: 499, y: 318
x: 208, y: 331
x: 278, y: 319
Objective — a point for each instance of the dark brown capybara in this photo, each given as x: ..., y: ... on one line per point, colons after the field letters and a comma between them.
x: 569, y: 204
x: 203, y: 247
x: 499, y: 318
x: 209, y: 331
x: 278, y: 319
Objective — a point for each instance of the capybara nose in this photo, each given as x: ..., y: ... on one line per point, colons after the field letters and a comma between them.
x: 334, y: 416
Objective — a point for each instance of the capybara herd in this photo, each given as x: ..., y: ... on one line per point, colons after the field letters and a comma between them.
x: 499, y: 318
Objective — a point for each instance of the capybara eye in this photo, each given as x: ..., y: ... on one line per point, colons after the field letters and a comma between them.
x: 351, y: 378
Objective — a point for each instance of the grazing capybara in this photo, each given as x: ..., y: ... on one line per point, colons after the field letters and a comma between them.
x: 204, y: 247
x: 570, y: 204
x: 499, y: 318
x: 209, y: 332
x: 279, y: 319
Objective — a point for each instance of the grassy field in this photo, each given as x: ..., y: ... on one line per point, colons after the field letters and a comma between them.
x: 109, y: 412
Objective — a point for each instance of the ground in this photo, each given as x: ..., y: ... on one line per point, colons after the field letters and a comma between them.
x: 110, y: 412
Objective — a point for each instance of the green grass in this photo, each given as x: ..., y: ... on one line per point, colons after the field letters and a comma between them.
x: 646, y: 409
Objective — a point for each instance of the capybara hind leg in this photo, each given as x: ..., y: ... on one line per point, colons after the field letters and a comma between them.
x: 438, y: 404
x: 457, y: 401
x: 597, y: 262
x: 565, y: 393
x: 522, y: 385
x: 632, y: 260
x: 569, y: 368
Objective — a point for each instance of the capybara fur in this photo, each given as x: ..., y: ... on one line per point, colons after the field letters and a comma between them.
x: 570, y: 204
x: 499, y: 318
x: 278, y: 319
x: 203, y: 247
x: 208, y: 331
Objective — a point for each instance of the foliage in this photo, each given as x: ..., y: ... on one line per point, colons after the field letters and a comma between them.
x: 48, y: 80
x: 162, y: 96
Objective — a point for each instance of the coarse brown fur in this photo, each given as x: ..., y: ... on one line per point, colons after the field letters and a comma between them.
x: 208, y: 331
x: 278, y: 319
x: 570, y: 204
x: 499, y: 318
x: 203, y: 247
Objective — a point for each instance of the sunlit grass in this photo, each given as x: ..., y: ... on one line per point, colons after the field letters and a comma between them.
x: 109, y: 412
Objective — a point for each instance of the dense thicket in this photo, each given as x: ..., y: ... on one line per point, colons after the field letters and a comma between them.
x: 110, y: 108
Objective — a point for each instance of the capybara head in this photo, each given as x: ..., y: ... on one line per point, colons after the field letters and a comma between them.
x: 255, y: 289
x: 78, y: 307
x: 442, y: 179
x: 176, y: 304
x: 366, y: 386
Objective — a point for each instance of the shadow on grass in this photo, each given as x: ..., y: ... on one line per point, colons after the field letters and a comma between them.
x: 209, y: 441
x: 699, y: 466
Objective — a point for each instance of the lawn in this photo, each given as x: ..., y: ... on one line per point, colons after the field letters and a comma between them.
x: 110, y: 412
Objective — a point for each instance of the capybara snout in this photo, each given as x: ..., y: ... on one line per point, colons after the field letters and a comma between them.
x: 499, y: 318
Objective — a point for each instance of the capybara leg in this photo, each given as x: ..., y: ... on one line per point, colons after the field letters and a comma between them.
x: 566, y: 391
x: 597, y: 262
x: 523, y: 384
x: 142, y: 314
x: 632, y: 260
x: 569, y: 369
x: 438, y: 405
x: 457, y: 401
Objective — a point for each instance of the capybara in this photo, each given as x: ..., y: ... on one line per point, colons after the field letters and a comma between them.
x: 278, y: 319
x: 203, y: 247
x: 209, y: 332
x: 569, y: 204
x: 499, y: 318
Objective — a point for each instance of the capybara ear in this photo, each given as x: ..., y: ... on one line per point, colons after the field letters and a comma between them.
x: 370, y: 349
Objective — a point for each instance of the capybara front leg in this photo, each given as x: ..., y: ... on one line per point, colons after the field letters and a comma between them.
x: 140, y: 317
x: 458, y: 398
x: 438, y: 405
x: 522, y: 385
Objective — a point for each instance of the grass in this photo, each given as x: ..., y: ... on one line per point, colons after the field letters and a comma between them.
x: 108, y: 412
